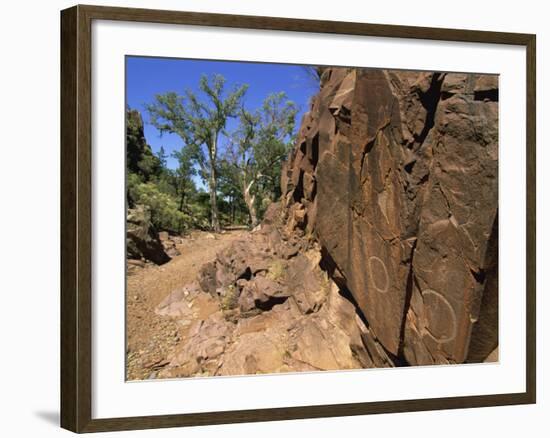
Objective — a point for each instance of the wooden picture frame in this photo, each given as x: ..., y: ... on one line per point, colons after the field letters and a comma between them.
x: 76, y: 217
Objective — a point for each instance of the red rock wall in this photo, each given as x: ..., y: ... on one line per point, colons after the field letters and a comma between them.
x: 397, y: 173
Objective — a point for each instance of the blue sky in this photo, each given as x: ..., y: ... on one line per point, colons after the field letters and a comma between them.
x: 146, y: 77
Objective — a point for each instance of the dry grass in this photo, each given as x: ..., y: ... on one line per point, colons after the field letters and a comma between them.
x: 276, y: 270
x: 231, y: 298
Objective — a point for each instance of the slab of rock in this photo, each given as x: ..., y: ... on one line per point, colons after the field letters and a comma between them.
x: 309, y: 287
x: 397, y: 175
x: 243, y: 259
x: 169, y: 243
x: 201, y: 352
x: 262, y: 293
x: 141, y: 239
x: 177, y: 303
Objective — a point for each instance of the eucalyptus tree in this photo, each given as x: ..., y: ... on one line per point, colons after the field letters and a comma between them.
x: 256, y: 148
x: 200, y: 119
x: 183, y: 176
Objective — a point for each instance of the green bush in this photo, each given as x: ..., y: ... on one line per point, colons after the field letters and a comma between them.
x: 164, y: 209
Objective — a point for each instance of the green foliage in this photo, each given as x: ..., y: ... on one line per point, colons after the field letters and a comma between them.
x: 257, y: 147
x: 182, y: 176
x: 241, y: 169
x: 162, y: 157
x: 164, y: 210
x: 199, y: 119
x: 233, y: 209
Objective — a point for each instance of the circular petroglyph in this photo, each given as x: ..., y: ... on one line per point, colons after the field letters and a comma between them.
x: 379, y: 274
x: 441, y: 317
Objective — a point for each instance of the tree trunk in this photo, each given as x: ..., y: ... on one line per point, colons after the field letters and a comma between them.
x: 213, y: 152
x: 214, y: 201
x: 250, y: 203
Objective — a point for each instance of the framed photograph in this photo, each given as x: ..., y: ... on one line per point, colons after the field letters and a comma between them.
x: 268, y: 218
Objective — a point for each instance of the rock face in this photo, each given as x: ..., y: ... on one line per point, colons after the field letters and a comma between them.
x: 141, y: 240
x: 140, y: 158
x: 395, y: 174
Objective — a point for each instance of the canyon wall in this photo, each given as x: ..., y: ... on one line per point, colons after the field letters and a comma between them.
x: 395, y: 174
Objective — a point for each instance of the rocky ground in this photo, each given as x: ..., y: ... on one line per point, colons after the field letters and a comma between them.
x: 262, y: 303
x: 150, y: 337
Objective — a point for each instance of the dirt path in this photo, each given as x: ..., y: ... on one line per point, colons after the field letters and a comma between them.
x: 151, y: 338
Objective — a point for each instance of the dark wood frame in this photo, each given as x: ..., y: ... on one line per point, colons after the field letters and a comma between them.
x: 76, y: 177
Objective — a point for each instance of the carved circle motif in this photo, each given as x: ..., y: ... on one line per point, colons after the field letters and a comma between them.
x: 377, y: 266
x: 452, y: 316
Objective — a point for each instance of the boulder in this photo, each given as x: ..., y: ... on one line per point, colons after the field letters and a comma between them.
x: 178, y: 303
x: 201, y: 353
x: 169, y: 244
x: 308, y: 285
x: 142, y: 242
x: 262, y: 293
x: 243, y: 259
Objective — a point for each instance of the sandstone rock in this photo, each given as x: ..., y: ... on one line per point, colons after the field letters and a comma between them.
x: 178, y: 302
x: 262, y: 293
x: 261, y: 343
x: 243, y: 259
x: 140, y: 158
x: 399, y: 171
x: 256, y: 353
x: 305, y: 280
x: 272, y: 217
x: 331, y: 338
x: 302, y: 323
x: 141, y: 239
x: 207, y: 278
x: 207, y: 342
x: 169, y: 245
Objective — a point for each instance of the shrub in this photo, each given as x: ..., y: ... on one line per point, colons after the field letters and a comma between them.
x: 231, y: 298
x: 276, y: 270
x: 164, y: 209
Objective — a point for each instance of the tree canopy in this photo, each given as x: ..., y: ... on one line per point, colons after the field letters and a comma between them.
x: 239, y: 164
x: 199, y: 119
x: 257, y: 147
